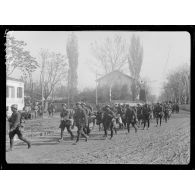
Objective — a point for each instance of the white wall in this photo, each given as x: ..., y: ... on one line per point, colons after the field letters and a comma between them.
x: 15, y: 100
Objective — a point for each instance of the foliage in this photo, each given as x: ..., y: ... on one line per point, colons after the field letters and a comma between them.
x: 72, y: 54
x: 18, y: 58
x: 135, y: 59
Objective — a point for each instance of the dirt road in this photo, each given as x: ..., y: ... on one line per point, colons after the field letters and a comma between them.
x: 168, y: 144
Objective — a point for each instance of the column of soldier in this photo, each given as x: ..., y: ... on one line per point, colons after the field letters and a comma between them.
x: 107, y: 117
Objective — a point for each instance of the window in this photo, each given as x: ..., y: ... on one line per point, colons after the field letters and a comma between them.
x: 19, y: 92
x: 10, y: 92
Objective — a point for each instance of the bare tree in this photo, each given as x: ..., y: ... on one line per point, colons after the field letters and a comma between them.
x: 111, y: 54
x: 177, y: 87
x: 135, y: 59
x: 72, y: 54
x: 54, y: 70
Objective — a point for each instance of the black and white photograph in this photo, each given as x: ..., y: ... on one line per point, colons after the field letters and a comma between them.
x: 98, y: 97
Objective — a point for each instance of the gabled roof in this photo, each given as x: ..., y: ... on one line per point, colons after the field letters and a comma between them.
x: 13, y: 79
x: 114, y: 72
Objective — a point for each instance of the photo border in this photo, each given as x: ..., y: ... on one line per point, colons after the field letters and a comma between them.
x: 151, y: 28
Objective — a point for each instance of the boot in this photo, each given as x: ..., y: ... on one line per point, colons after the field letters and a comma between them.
x: 11, y: 144
x: 29, y: 145
x: 72, y: 137
x: 25, y: 140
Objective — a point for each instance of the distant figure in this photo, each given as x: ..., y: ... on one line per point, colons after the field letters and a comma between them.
x: 36, y: 109
x: 146, y: 114
x: 158, y: 113
x: 51, y: 109
x: 41, y: 110
x: 27, y: 110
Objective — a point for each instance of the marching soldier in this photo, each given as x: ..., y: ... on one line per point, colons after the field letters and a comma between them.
x: 120, y: 114
x: 51, y: 109
x: 146, y: 112
x: 99, y: 116
x: 36, y: 109
x: 166, y: 112
x: 139, y: 114
x: 108, y: 117
x: 15, y: 122
x: 80, y: 119
x: 65, y: 122
x: 158, y: 112
x: 131, y: 118
x: 87, y: 111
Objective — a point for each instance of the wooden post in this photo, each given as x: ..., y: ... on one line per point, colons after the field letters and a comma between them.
x: 96, y: 95
x: 68, y: 89
x: 96, y: 92
x: 110, y: 94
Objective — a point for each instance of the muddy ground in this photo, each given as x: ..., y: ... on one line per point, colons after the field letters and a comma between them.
x: 168, y: 144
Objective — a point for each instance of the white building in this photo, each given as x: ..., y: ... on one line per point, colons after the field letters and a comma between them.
x: 14, y: 93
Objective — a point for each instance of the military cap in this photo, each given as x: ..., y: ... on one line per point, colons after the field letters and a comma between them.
x: 14, y: 106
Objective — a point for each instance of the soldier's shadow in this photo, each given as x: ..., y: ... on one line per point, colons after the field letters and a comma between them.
x: 42, y: 141
x: 96, y: 136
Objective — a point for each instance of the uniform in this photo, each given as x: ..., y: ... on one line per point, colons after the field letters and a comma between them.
x: 51, y: 109
x: 88, y: 113
x: 131, y: 118
x: 36, y: 109
x: 80, y: 120
x: 166, y: 112
x: 146, y: 113
x: 99, y: 116
x: 120, y: 114
x: 65, y: 123
x: 158, y: 112
x: 16, y: 126
x: 139, y: 114
x: 108, y: 116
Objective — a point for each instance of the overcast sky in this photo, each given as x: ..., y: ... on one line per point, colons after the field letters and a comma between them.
x: 163, y: 51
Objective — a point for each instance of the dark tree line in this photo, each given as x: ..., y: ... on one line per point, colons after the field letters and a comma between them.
x: 177, y: 86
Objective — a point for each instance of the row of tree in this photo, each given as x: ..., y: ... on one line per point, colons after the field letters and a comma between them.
x: 177, y: 87
x: 58, y: 72
x: 55, y: 68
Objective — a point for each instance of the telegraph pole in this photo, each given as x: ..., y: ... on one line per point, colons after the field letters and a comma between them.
x: 68, y: 89
x: 42, y: 82
x: 110, y: 93
x: 96, y: 92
